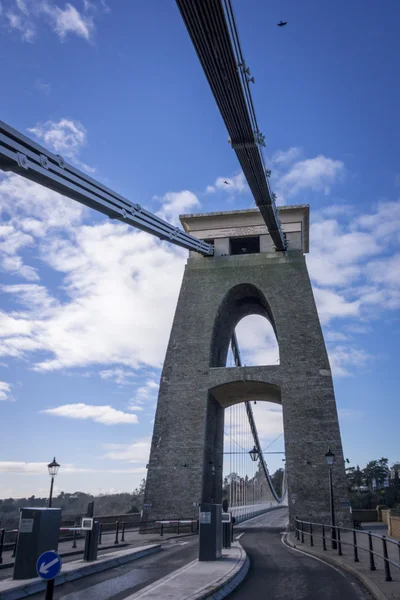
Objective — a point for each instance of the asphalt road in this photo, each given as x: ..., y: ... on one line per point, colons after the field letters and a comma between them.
x: 279, y: 573
x: 119, y: 582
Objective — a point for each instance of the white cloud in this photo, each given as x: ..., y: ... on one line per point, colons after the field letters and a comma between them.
x: 115, y: 281
x: 230, y: 185
x: 257, y: 341
x: 176, y: 203
x: 343, y: 358
x: 134, y: 407
x: 137, y: 452
x: 40, y: 468
x: 317, y: 174
x: 332, y: 305
x: 334, y: 336
x: 5, y: 392
x: 27, y: 17
x: 69, y: 20
x: 118, y: 375
x: 107, y: 415
x: 349, y: 414
x: 35, y: 209
x: 64, y: 137
x: 285, y: 157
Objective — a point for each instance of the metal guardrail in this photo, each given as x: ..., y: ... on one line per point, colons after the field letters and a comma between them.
x: 308, y: 528
x: 119, y: 528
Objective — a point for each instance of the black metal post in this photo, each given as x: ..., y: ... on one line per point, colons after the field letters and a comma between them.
x: 371, y: 553
x: 49, y: 589
x: 14, y: 547
x: 356, y: 559
x: 296, y: 525
x: 311, y: 536
x: 398, y: 548
x: 100, y: 532
x: 2, y: 534
x: 123, y: 532
x: 161, y: 529
x: 302, y: 532
x: 339, y: 544
x: 116, y: 532
x: 323, y: 538
x: 51, y: 492
x: 74, y: 539
x: 333, y: 523
x: 385, y: 554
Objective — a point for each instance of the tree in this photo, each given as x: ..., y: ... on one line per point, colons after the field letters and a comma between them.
x: 355, y: 478
x: 277, y: 480
x: 377, y: 470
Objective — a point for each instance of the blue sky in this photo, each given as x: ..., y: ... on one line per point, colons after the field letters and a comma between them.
x: 87, y: 304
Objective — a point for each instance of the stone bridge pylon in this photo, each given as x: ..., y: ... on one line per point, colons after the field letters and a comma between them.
x: 245, y: 276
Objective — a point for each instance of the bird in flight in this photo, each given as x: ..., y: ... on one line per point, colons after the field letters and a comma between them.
x: 227, y: 182
x: 282, y: 23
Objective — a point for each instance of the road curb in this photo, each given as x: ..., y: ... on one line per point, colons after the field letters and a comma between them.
x: 190, y: 590
x: 227, y: 587
x: 331, y: 560
x: 102, y: 564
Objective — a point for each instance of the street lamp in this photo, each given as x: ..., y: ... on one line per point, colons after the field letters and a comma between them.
x: 254, y: 454
x: 330, y: 459
x: 53, y: 470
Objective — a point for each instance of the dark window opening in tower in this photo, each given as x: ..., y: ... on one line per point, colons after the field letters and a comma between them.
x: 244, y: 245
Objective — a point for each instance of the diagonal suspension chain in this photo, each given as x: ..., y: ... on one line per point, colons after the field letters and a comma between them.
x: 23, y: 156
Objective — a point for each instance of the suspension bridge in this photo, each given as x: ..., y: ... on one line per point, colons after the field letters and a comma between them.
x: 240, y: 263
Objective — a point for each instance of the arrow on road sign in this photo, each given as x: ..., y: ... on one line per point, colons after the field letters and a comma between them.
x: 48, y: 565
x: 44, y: 567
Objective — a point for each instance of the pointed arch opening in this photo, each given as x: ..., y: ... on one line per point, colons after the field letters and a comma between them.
x: 241, y: 301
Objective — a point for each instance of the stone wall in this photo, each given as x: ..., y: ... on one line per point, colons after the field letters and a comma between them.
x: 365, y: 515
x: 185, y: 465
x: 394, y: 527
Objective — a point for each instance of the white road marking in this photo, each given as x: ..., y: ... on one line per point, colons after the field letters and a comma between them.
x: 239, y: 536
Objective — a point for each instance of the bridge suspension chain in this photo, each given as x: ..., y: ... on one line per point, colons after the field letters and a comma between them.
x: 23, y: 156
x: 212, y: 28
x: 248, y: 434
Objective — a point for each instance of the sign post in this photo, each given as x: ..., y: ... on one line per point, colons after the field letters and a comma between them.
x: 48, y: 567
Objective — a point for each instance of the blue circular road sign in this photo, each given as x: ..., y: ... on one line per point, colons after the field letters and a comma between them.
x: 48, y: 565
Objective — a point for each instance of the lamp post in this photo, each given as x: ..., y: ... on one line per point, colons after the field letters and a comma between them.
x: 53, y: 470
x: 330, y: 459
x: 254, y: 454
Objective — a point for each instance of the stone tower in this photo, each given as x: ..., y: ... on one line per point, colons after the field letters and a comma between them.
x: 245, y: 276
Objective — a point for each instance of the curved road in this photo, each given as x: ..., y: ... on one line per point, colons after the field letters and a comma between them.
x: 280, y: 573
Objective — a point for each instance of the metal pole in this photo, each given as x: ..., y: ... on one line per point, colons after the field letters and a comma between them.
x: 323, y: 538
x: 116, y: 532
x: 49, y: 589
x: 356, y: 559
x: 15, y: 546
x: 302, y: 532
x: 74, y: 539
x: 51, y: 492
x: 311, y: 536
x: 2, y: 534
x: 385, y: 554
x: 333, y: 523
x: 123, y: 532
x: 339, y: 542
x: 371, y: 553
x: 100, y: 532
x: 296, y: 525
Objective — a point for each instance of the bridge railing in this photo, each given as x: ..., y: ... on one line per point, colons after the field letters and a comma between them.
x: 386, y: 550
x: 110, y: 534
